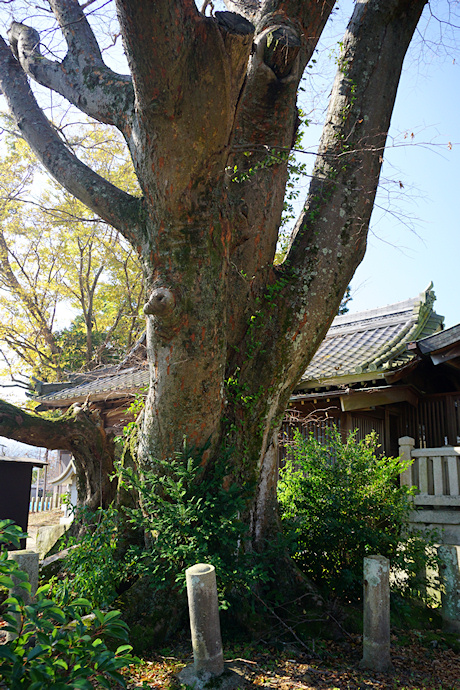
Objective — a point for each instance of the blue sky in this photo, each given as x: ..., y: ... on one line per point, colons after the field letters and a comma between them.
x: 401, y: 261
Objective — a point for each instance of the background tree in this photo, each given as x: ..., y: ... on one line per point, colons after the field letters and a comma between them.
x: 209, y: 116
x: 55, y: 257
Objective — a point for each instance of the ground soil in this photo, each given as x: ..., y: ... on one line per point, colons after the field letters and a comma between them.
x: 420, y: 661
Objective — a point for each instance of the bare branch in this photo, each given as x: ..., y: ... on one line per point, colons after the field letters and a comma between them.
x: 112, y: 204
x: 82, y: 77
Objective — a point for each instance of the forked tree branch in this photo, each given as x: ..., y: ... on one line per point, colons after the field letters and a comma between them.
x: 113, y: 205
x: 82, y: 77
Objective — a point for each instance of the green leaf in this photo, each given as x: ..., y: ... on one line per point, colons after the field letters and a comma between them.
x: 81, y: 602
x: 111, y: 615
x: 34, y: 652
x: 6, y: 653
x: 61, y: 663
x: 6, y: 581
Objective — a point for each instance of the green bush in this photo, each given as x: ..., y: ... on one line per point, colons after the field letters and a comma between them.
x: 93, y: 566
x: 56, y: 646
x: 191, y: 516
x: 186, y: 516
x: 343, y: 502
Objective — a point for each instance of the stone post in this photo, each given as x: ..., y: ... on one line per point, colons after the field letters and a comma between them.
x: 28, y: 562
x: 376, y: 629
x: 204, y: 619
x: 208, y: 669
x: 450, y: 596
x: 406, y: 446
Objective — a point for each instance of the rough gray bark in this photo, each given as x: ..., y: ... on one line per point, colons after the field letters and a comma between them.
x: 229, y: 334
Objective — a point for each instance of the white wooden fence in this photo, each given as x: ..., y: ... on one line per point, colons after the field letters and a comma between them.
x: 44, y: 499
x: 42, y: 503
x: 435, y: 472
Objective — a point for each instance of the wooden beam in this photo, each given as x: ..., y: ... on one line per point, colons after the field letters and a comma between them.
x: 363, y: 399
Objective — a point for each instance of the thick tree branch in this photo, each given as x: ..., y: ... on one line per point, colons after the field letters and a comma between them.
x: 76, y: 29
x: 188, y: 71
x: 82, y: 77
x: 26, y: 427
x: 80, y: 431
x: 154, y: 42
x: 112, y: 204
x: 330, y: 236
x: 265, y: 131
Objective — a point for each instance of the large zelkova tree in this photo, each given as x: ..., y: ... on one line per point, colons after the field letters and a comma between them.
x: 209, y: 116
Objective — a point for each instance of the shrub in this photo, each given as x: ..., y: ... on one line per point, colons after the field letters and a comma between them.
x: 187, y: 516
x: 56, y: 646
x: 191, y: 516
x: 94, y: 567
x: 344, y: 502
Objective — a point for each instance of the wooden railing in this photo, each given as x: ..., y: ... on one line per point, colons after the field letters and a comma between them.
x: 435, y: 472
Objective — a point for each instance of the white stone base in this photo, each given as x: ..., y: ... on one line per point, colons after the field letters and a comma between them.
x: 230, y: 678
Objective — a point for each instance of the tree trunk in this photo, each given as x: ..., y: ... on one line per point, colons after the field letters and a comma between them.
x: 210, y: 118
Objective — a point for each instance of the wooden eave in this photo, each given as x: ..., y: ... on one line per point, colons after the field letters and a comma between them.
x: 440, y: 348
x: 102, y: 396
x: 361, y: 399
x: 344, y: 380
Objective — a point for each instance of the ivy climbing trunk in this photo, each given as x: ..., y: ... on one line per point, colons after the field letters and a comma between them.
x: 209, y: 116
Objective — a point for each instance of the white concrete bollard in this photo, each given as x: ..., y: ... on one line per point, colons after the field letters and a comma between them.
x: 406, y: 446
x: 204, y: 619
x: 28, y: 561
x: 376, y: 629
x: 450, y: 575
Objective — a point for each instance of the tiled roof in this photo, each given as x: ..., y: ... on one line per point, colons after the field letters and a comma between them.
x: 356, y: 345
x: 372, y: 341
x: 110, y: 386
x: 104, y: 383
